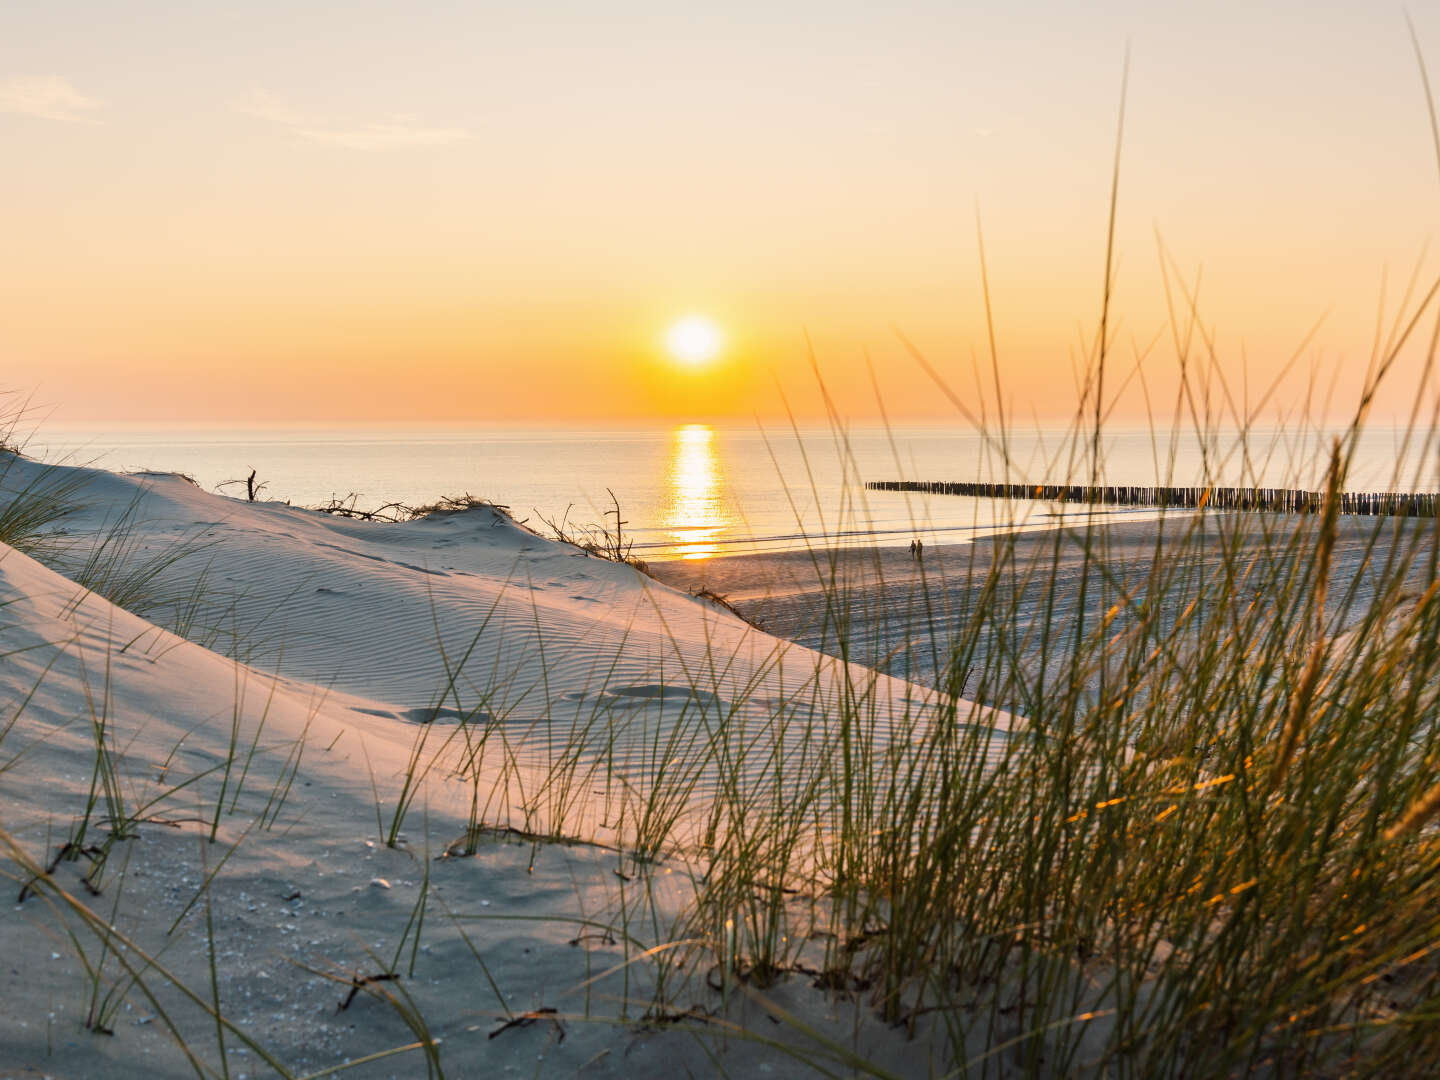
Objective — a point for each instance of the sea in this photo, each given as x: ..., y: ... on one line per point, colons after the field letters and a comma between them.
x: 697, y: 491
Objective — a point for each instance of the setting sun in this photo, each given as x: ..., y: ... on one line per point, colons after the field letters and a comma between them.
x: 693, y: 341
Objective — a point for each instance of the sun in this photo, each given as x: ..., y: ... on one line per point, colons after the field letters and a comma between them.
x: 694, y: 341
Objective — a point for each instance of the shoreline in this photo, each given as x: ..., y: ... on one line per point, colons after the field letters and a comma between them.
x: 899, y: 607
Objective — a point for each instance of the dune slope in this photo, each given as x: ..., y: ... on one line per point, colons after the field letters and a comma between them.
x: 403, y: 683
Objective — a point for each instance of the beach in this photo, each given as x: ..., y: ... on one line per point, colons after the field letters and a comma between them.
x: 445, y: 794
x: 900, y: 613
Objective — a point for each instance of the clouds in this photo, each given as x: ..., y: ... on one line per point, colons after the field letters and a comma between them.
x: 394, y: 132
x: 53, y: 97
x: 47, y: 97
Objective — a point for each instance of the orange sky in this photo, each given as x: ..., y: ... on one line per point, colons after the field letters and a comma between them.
x: 274, y: 215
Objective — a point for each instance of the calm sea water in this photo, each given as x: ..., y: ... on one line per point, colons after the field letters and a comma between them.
x: 692, y: 490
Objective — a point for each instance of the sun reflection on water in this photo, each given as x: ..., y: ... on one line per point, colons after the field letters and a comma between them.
x: 695, y: 513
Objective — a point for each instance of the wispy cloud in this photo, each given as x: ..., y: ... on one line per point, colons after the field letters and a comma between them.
x: 392, y: 133
x: 48, y: 97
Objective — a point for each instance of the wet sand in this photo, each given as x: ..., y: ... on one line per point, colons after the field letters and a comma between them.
x: 883, y: 607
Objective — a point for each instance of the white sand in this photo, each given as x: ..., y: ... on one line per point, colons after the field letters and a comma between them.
x: 352, y: 630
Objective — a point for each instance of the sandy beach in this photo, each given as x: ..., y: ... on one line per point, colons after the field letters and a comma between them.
x: 445, y: 795
x: 899, y: 613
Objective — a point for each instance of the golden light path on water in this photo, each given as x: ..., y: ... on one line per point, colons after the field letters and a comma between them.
x: 695, y: 513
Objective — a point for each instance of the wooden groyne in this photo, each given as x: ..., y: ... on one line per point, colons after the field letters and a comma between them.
x: 1278, y: 500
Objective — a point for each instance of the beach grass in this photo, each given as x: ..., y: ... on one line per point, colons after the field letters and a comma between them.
x: 1198, y: 838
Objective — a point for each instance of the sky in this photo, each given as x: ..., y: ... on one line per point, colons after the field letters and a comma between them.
x: 294, y: 212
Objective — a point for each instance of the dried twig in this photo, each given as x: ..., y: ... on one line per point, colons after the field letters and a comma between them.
x: 359, y: 983
x: 528, y: 1018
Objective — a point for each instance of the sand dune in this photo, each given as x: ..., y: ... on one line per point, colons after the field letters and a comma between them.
x: 552, y: 687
